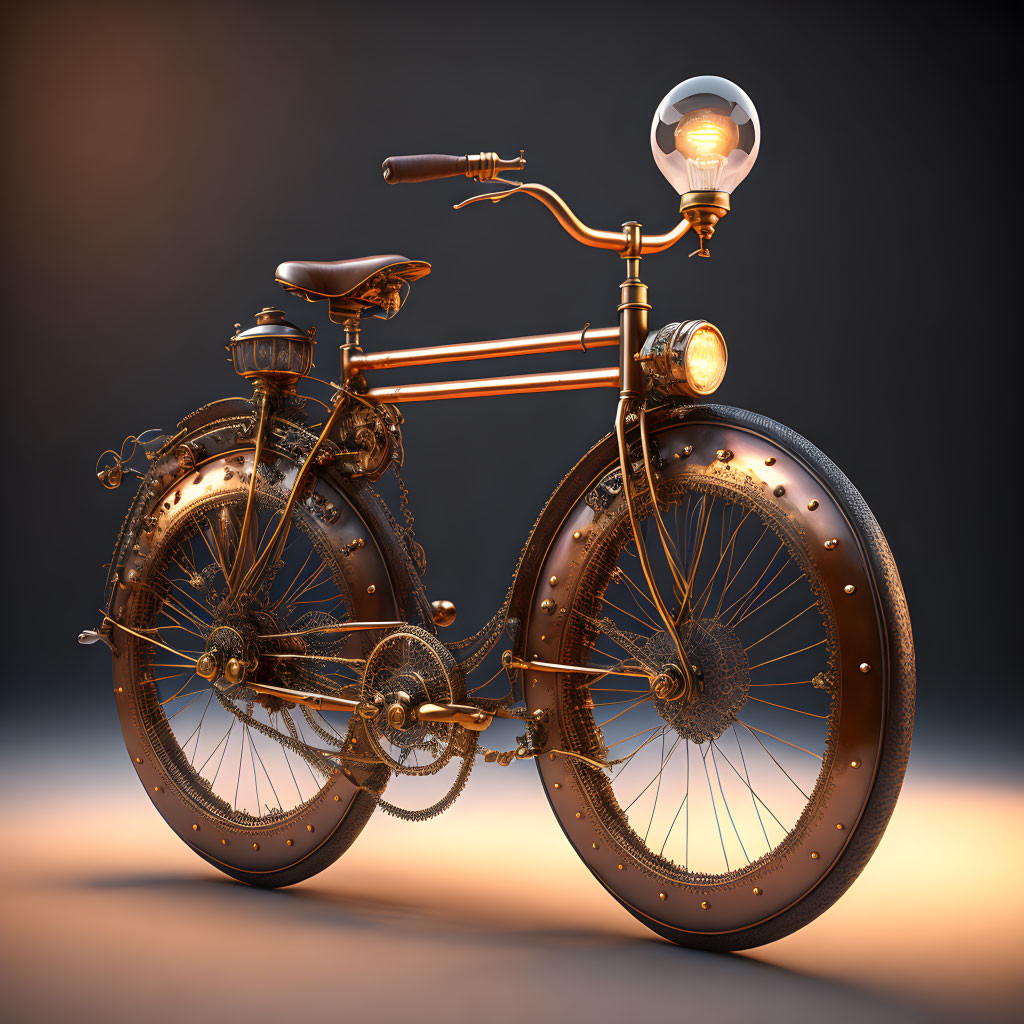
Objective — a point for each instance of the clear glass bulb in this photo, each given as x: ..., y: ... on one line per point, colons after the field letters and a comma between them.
x: 705, y: 135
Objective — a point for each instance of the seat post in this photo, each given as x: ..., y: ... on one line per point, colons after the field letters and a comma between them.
x: 350, y: 346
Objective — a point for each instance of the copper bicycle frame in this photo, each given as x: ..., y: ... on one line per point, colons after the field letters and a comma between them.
x: 628, y: 377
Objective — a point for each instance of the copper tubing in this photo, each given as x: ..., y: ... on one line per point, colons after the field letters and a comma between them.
x: 620, y: 241
x: 569, y: 341
x: 565, y: 380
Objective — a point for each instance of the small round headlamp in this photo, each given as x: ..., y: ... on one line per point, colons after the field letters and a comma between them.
x: 688, y: 358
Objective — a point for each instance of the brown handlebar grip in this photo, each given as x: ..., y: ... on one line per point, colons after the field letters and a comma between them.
x: 422, y: 167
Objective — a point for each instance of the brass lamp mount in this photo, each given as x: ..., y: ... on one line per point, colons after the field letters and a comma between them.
x: 703, y: 210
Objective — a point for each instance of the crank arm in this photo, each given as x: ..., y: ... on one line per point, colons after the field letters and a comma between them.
x: 469, y: 717
x: 465, y: 715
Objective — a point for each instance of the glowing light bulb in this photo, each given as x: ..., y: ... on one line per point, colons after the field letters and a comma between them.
x: 705, y: 360
x: 705, y: 135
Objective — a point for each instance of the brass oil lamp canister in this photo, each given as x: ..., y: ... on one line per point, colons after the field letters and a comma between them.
x: 274, y: 353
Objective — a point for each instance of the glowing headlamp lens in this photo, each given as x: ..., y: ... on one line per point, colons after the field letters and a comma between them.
x: 704, y: 360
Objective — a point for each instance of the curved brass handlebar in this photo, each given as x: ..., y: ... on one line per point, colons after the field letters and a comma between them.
x: 628, y: 243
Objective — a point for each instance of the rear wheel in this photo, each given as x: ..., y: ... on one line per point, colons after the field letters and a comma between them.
x: 731, y: 819
x: 249, y: 782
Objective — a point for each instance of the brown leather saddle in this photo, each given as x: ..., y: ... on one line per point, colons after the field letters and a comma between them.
x: 371, y: 286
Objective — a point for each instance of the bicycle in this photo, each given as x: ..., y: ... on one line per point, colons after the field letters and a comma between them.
x: 706, y: 642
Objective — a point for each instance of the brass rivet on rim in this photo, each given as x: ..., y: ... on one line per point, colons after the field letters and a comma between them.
x: 156, y: 789
x: 622, y: 867
x: 779, y: 491
x: 704, y: 905
x: 553, y: 580
x: 855, y: 764
x: 839, y: 825
x: 223, y: 842
x: 336, y: 798
x: 255, y: 846
x: 831, y: 544
x: 309, y: 828
x: 579, y: 814
x: 770, y: 461
x: 138, y: 760
x: 370, y: 589
x: 757, y: 891
x: 815, y: 855
x: 723, y: 455
x: 812, y: 505
x: 289, y: 842
x: 864, y: 667
x: 849, y: 588
x: 662, y: 896
x: 576, y: 535
x: 594, y: 845
x: 195, y: 828
x: 558, y: 785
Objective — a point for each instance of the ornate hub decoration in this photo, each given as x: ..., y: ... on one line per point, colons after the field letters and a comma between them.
x: 718, y: 652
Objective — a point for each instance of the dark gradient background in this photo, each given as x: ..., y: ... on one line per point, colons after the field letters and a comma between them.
x: 161, y: 159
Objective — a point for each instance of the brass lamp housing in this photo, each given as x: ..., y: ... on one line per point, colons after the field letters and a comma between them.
x: 274, y: 353
x: 664, y: 361
x: 703, y: 210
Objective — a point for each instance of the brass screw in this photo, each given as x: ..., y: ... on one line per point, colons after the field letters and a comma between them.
x: 622, y: 867
x: 757, y: 891
x: 662, y: 896
x: 839, y: 825
x: 864, y: 667
x: 576, y: 535
x: 370, y: 589
x: 289, y: 842
x: 855, y: 764
x: 849, y: 588
x: 704, y: 905
x: 553, y: 580
x: 815, y: 855
x: 309, y: 828
x: 770, y: 461
x: 779, y: 491
x: 832, y: 544
x: 558, y: 785
x: 723, y: 455
x: 195, y: 828
x: 811, y: 506
x: 255, y: 846
x: 547, y: 606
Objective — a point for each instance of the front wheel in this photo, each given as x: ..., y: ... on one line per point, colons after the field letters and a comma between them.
x: 733, y: 818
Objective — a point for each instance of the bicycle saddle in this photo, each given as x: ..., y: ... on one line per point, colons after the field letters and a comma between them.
x: 370, y: 286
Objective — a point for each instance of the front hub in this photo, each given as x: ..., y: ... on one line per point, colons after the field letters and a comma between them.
x: 723, y: 669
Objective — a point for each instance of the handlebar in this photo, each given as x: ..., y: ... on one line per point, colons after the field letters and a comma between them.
x: 432, y: 166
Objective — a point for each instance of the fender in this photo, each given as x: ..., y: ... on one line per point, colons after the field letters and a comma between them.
x: 408, y: 586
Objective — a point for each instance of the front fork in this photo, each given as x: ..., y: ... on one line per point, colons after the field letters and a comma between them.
x: 633, y: 310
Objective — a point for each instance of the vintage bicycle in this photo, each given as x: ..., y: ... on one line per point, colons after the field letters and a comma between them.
x: 705, y: 648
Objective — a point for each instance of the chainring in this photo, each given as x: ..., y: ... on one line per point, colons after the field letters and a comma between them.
x: 409, y: 666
